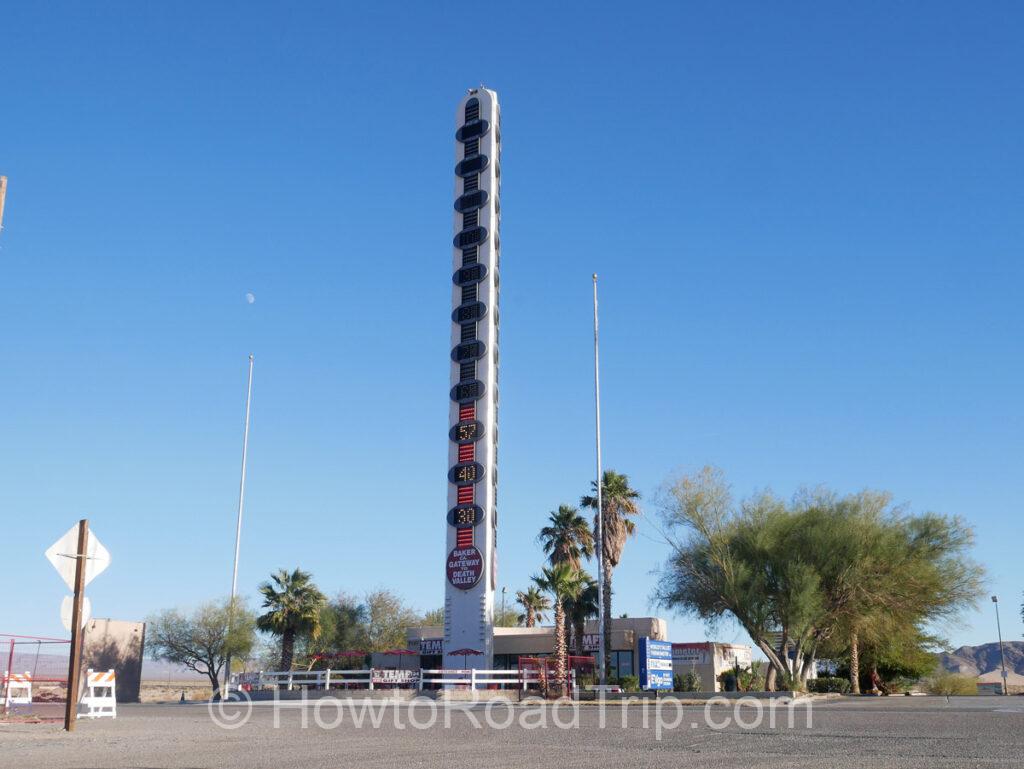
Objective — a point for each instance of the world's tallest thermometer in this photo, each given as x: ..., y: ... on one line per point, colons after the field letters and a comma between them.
x: 471, y: 526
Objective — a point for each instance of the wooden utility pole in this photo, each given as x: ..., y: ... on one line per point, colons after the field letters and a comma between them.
x: 75, y: 663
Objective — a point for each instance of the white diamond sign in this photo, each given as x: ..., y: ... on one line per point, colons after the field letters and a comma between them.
x: 67, y: 606
x: 62, y: 555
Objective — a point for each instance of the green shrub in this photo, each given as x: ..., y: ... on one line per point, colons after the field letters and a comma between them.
x: 629, y: 683
x: 787, y: 683
x: 828, y: 685
x: 752, y: 679
x: 583, y: 680
x: 902, y: 684
x: 950, y: 683
x: 727, y: 679
x: 687, y: 682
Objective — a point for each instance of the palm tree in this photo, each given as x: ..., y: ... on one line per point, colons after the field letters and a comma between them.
x: 567, y: 537
x: 618, y: 501
x: 578, y: 610
x: 564, y: 584
x: 534, y: 604
x: 294, y: 604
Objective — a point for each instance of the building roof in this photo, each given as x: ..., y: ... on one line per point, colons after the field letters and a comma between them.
x: 995, y: 676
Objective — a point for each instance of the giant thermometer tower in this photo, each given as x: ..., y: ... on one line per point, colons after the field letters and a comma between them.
x: 471, y: 529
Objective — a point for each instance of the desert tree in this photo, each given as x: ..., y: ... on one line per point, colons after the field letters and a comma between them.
x: 342, y: 629
x: 388, y: 617
x: 820, y: 572
x: 201, y: 640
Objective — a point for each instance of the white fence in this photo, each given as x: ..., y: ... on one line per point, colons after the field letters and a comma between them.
x: 469, y: 678
x: 313, y: 679
x: 472, y: 678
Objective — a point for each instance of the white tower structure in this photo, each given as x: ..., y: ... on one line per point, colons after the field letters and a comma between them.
x: 471, y: 530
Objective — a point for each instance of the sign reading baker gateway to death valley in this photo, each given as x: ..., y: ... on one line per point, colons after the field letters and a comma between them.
x: 465, y: 565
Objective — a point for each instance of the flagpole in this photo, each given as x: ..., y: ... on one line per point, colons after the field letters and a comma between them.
x: 241, y: 486
x: 238, y: 523
x: 600, y: 506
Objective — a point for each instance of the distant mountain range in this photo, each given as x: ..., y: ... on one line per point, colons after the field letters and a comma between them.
x: 975, y: 660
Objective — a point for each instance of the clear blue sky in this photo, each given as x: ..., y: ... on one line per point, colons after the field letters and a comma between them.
x: 807, y: 220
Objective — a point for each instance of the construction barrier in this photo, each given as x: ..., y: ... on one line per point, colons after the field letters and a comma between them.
x: 99, y: 699
x: 18, y: 688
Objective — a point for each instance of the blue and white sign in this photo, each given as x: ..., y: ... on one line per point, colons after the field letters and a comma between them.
x: 655, y: 664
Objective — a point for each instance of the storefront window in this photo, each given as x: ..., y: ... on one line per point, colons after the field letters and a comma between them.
x: 622, y: 664
x: 506, y: 661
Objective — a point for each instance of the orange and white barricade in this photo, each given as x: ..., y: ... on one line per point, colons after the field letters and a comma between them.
x: 18, y: 687
x: 99, y: 698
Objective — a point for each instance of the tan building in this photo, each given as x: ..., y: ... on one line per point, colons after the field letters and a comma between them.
x: 511, y: 643
x: 709, y: 660
x: 992, y: 682
x: 116, y: 645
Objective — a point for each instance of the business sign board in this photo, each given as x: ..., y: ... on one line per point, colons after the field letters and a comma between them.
x: 431, y: 646
x: 691, y: 653
x: 655, y: 664
x: 249, y: 679
x: 736, y: 654
x: 403, y: 677
x: 465, y: 566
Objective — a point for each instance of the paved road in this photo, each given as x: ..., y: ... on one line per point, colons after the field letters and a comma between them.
x: 863, y: 732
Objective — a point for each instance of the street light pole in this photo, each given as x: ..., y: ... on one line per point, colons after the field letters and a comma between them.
x: 238, y: 526
x: 1002, y: 656
x: 601, y: 678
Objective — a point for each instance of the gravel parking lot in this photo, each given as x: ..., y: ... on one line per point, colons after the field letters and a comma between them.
x: 861, y: 732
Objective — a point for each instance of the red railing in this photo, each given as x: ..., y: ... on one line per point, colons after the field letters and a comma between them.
x: 35, y: 677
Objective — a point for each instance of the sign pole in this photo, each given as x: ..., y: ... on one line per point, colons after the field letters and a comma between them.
x: 601, y: 677
x: 75, y: 662
x: 1002, y: 657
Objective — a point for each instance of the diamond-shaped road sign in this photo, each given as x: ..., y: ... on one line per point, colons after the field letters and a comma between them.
x: 62, y: 555
x: 67, y: 607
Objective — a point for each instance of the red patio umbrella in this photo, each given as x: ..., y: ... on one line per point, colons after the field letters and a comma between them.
x: 465, y: 653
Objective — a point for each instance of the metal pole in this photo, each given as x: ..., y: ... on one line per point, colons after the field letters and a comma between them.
x: 75, y: 663
x: 238, y: 524
x: 3, y: 194
x: 600, y: 506
x: 241, y: 486
x: 10, y: 672
x: 1002, y: 657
